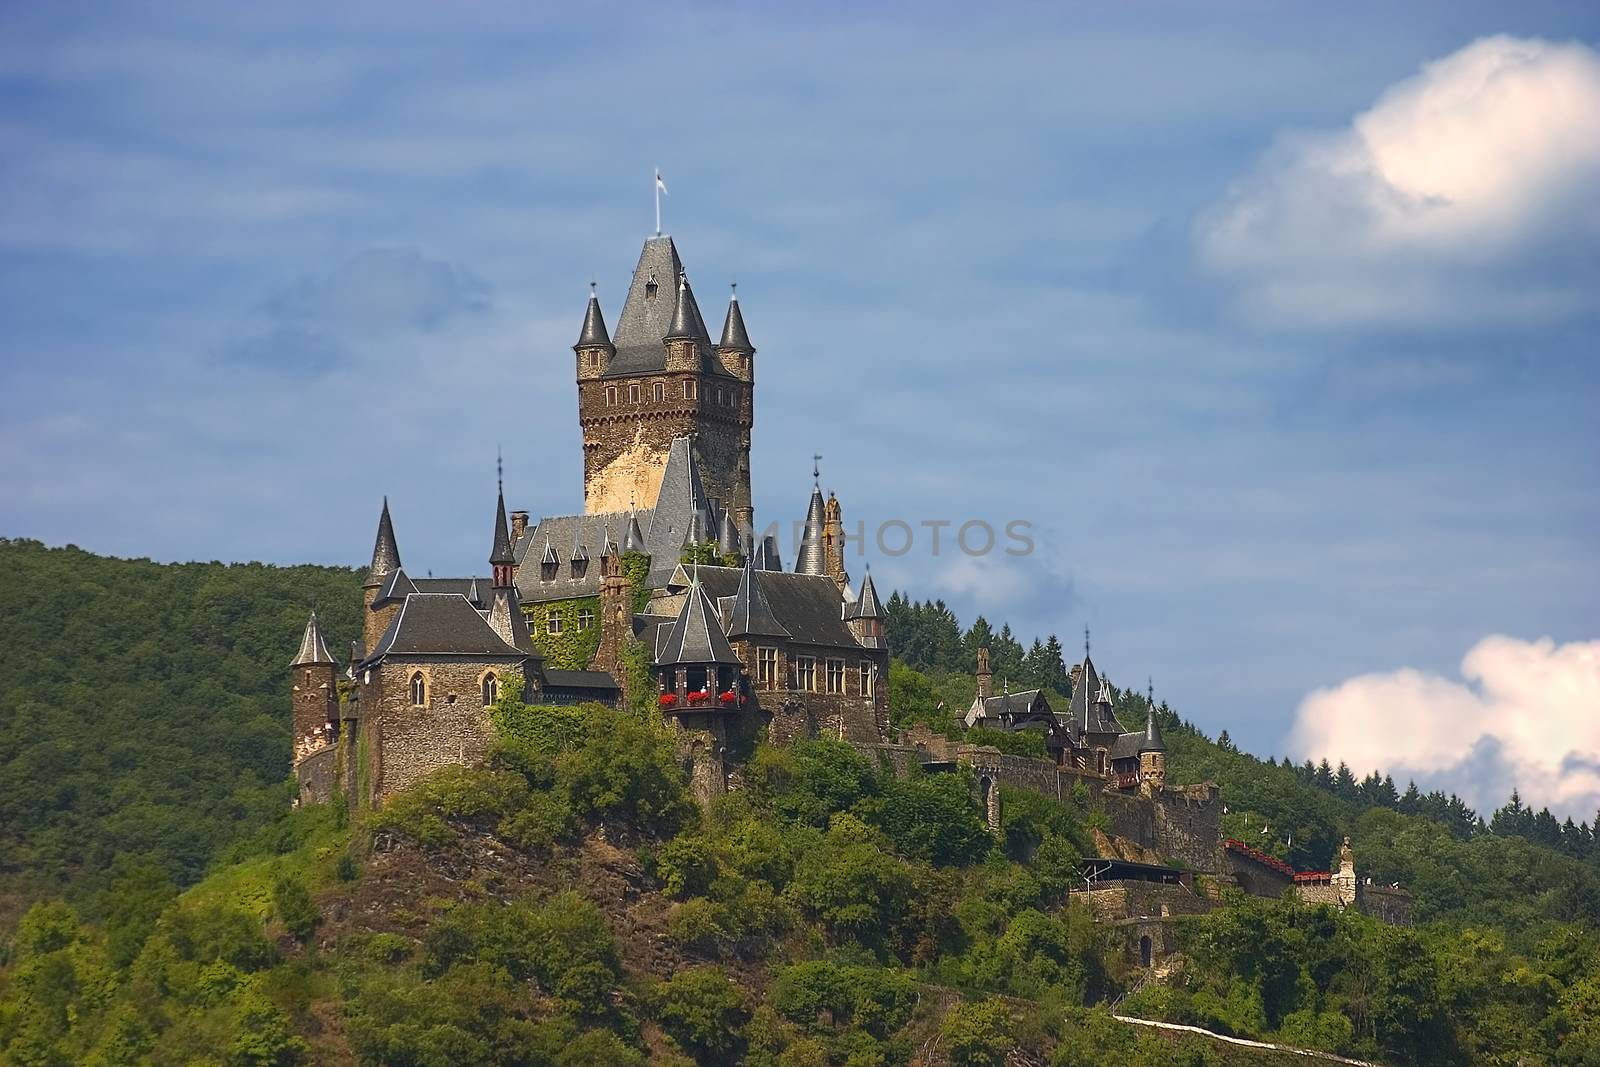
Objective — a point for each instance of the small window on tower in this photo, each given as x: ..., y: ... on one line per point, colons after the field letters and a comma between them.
x: 688, y: 389
x: 660, y: 392
x: 611, y: 396
x: 633, y: 394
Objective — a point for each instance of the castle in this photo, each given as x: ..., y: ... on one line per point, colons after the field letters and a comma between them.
x: 666, y: 558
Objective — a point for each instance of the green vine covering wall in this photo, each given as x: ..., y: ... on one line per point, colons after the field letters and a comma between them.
x: 636, y: 568
x: 571, y: 649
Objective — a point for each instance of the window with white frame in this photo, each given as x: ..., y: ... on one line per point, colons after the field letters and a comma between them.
x: 767, y: 668
x: 805, y: 673
x: 866, y: 678
x: 552, y: 622
x: 836, y: 676
x: 633, y: 393
x: 419, y: 690
x: 658, y: 392
x: 611, y: 396
x: 491, y: 689
x: 688, y: 389
x: 585, y: 618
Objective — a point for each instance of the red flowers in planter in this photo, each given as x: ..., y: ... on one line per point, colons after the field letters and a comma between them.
x: 668, y: 699
x: 699, y: 696
x: 730, y: 697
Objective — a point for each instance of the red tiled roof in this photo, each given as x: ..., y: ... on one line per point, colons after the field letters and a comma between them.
x: 1260, y: 857
x: 1312, y: 876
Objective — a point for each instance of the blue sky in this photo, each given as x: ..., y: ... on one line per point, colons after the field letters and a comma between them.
x: 1281, y: 416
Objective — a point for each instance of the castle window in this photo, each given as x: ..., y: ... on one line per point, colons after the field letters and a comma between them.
x: 720, y: 399
x: 419, y: 690
x: 688, y: 389
x: 580, y: 566
x: 585, y: 618
x: 767, y: 668
x: 805, y: 674
x: 491, y: 689
x: 633, y: 393
x: 552, y: 622
x: 659, y: 392
x: 611, y: 396
x: 836, y: 676
x: 866, y: 678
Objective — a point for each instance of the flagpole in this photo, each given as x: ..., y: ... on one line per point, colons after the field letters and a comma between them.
x: 657, y: 185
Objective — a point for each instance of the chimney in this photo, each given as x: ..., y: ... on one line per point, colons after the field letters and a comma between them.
x: 519, y: 525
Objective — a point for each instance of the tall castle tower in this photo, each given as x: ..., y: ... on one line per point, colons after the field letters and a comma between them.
x: 658, y: 378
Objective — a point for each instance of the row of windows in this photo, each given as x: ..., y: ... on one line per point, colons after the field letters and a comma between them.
x: 490, y: 690
x: 806, y: 677
x: 658, y: 393
x: 553, y: 623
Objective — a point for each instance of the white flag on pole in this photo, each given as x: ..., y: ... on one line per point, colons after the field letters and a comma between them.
x: 659, y: 183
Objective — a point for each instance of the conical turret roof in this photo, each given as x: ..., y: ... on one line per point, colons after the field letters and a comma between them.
x: 633, y: 539
x: 733, y: 331
x: 809, y: 559
x: 501, y: 553
x: 1152, y: 732
x: 385, y: 552
x: 696, y: 636
x: 752, y: 615
x: 313, y: 649
x: 686, y: 322
x: 594, y: 333
x: 867, y: 605
x: 728, y: 537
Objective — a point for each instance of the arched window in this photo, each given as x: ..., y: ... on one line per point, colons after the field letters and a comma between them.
x: 419, y: 690
x: 491, y: 689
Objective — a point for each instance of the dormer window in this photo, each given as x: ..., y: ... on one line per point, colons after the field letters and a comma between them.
x: 580, y: 562
x: 549, y: 565
x: 650, y: 287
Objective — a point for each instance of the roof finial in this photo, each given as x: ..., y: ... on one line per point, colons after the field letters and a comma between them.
x: 1085, y: 642
x: 734, y: 290
x: 816, y: 470
x: 499, y: 471
x: 592, y: 294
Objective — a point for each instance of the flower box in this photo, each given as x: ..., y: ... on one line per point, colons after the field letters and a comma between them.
x: 730, y: 697
x: 668, y: 699
x: 699, y: 696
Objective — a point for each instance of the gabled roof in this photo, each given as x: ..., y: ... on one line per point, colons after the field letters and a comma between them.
x: 1127, y: 746
x: 1089, y: 714
x: 441, y: 624
x: 752, y: 615
x: 396, y: 586
x: 313, y: 649
x: 467, y: 587
x: 697, y: 635
x: 594, y: 326
x: 505, y: 618
x: 575, y: 538
x: 682, y: 511
x: 809, y: 559
x: 385, y: 552
x: 806, y: 605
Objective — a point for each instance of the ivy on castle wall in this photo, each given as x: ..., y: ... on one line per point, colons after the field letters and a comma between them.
x: 636, y: 568
x: 572, y: 648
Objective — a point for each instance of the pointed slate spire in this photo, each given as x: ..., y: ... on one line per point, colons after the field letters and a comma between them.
x: 686, y: 322
x: 734, y: 336
x: 696, y: 636
x: 385, y: 553
x: 767, y: 558
x: 313, y: 650
x: 594, y: 333
x: 752, y: 615
x: 809, y: 559
x: 500, y: 555
x: 867, y: 605
x: 633, y: 539
x: 1152, y: 729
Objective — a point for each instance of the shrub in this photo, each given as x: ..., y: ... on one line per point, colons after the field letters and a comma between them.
x: 934, y: 818
x: 978, y: 1035
x: 704, y: 1012
x: 877, y: 1000
x: 293, y: 903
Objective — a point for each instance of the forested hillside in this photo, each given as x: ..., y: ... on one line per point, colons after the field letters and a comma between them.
x: 143, y: 714
x: 568, y: 905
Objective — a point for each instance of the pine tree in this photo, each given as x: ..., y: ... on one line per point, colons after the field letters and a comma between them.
x: 1055, y: 666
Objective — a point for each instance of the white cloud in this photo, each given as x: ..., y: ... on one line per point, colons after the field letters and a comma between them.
x: 1527, y: 713
x: 1469, y: 193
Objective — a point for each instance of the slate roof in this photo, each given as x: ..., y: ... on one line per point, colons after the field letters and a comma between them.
x: 396, y: 586
x: 1127, y: 746
x: 500, y: 553
x: 866, y: 605
x: 559, y: 679
x: 751, y: 614
x: 733, y: 331
x: 767, y: 558
x: 566, y: 535
x: 696, y: 637
x: 682, y: 510
x: 313, y: 649
x: 385, y: 552
x: 1089, y: 715
x: 1152, y: 741
x: 648, y: 312
x: 806, y: 605
x: 441, y: 624
x: 505, y: 618
x: 809, y: 560
x: 594, y: 325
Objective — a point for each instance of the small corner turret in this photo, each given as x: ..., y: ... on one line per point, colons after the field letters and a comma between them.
x: 594, y: 348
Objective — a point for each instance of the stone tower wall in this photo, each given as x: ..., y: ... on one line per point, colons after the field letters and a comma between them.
x: 626, y: 443
x: 316, y: 697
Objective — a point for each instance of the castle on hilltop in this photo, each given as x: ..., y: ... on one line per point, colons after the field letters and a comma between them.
x: 662, y: 592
